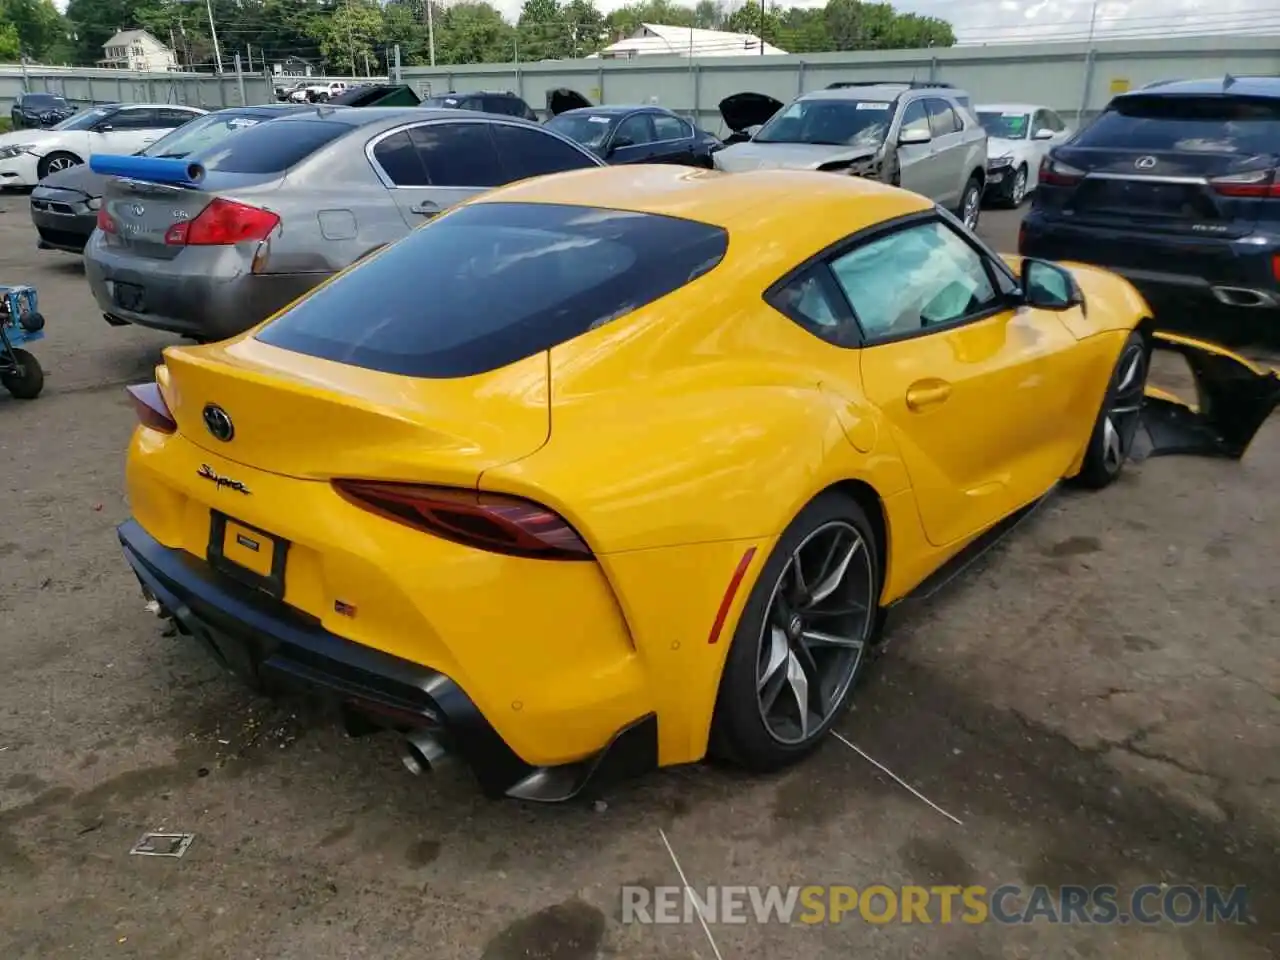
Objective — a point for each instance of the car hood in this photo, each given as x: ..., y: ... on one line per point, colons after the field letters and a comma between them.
x: 79, y: 178
x: 743, y: 110
x: 1000, y: 147
x: 788, y: 156
x: 27, y: 136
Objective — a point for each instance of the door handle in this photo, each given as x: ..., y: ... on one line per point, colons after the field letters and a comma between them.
x: 927, y: 393
x: 426, y: 208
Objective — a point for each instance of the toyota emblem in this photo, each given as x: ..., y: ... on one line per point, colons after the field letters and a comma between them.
x: 218, y: 423
x: 1145, y: 163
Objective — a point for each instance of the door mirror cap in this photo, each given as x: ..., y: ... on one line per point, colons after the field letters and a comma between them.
x: 908, y: 137
x: 104, y: 128
x: 1044, y: 133
x: 1047, y: 286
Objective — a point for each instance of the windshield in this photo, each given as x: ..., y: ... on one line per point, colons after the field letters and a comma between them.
x: 84, y: 120
x: 590, y: 131
x: 199, y: 134
x: 43, y: 101
x: 853, y: 123
x: 1005, y: 125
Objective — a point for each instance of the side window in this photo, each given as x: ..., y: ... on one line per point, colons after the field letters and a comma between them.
x: 400, y: 160
x: 942, y: 118
x: 913, y: 279
x: 529, y: 152
x: 812, y: 301
x: 175, y: 118
x: 915, y: 119
x: 1038, y: 122
x: 459, y: 154
x: 667, y: 127
x: 507, y: 106
x: 139, y: 118
x: 636, y: 129
x: 1054, y: 122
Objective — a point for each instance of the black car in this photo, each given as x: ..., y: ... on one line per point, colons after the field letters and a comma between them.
x: 64, y: 205
x: 39, y: 110
x: 641, y: 134
x: 502, y: 102
x: 1175, y: 186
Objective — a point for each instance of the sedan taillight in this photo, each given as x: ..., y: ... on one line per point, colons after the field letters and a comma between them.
x: 222, y: 223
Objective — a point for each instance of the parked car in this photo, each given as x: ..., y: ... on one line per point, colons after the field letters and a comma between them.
x: 643, y: 134
x: 39, y: 110
x: 1018, y: 137
x: 283, y: 205
x: 318, y: 92
x: 922, y: 138
x: 28, y: 156
x: 502, y: 102
x: 1176, y: 187
x: 64, y: 205
x: 443, y: 489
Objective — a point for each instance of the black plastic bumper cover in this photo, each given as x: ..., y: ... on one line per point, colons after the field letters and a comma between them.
x: 259, y: 638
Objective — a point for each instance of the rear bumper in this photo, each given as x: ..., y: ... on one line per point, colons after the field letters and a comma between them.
x: 204, y: 293
x: 270, y: 644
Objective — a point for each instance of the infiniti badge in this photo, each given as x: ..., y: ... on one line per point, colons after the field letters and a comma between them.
x: 137, y: 209
x: 218, y: 423
x: 1145, y: 163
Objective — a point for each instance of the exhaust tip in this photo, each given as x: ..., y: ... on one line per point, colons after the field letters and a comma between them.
x: 1244, y: 297
x: 422, y: 753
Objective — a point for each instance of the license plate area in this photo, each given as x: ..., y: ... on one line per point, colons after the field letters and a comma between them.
x: 128, y: 296
x: 247, y: 554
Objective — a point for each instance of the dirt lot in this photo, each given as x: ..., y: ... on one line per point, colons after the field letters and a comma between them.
x: 1098, y: 703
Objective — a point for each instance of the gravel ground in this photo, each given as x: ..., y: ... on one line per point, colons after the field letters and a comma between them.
x: 1098, y: 702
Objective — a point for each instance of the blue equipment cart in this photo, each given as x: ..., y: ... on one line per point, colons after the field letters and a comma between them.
x: 20, y: 324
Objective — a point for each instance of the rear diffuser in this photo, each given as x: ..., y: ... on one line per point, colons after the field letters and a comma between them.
x: 1234, y: 397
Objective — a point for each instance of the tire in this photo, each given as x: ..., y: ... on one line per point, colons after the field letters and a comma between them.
x: 58, y: 160
x: 29, y: 381
x: 741, y: 734
x: 1113, y: 432
x: 1017, y: 191
x: 970, y: 209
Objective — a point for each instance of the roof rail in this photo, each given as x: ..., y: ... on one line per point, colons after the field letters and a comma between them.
x: 911, y: 84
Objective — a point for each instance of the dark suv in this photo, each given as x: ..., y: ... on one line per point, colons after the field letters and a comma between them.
x: 1175, y: 186
x: 35, y: 110
x: 502, y: 102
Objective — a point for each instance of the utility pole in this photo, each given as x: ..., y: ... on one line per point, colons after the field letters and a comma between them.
x: 762, y: 14
x: 213, y: 35
x: 431, y: 32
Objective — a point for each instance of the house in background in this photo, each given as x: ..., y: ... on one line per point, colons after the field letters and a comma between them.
x: 295, y: 67
x: 137, y: 50
x: 655, y: 39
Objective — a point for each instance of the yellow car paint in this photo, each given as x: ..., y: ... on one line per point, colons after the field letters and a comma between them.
x: 685, y: 437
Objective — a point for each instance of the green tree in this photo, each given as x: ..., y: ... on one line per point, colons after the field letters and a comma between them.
x: 473, y: 32
x: 625, y: 21
x: 10, y: 46
x: 710, y: 14
x: 803, y: 30
x: 348, y: 36
x: 543, y: 33
x: 584, y: 28
x: 39, y: 25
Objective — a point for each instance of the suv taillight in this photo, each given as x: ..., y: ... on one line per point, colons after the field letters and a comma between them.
x: 221, y: 223
x: 1059, y: 174
x: 1256, y: 183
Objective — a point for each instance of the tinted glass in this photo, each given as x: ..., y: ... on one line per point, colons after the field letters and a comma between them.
x: 135, y: 120
x: 1192, y: 124
x: 507, y: 280
x: 1054, y: 121
x: 837, y: 122
x: 915, y: 119
x: 587, y: 129
x: 459, y: 154
x: 666, y: 127
x: 635, y: 129
x: 400, y: 160
x: 82, y: 121
x: 510, y: 106
x: 270, y: 147
x: 528, y: 152
x: 912, y: 279
x: 200, y: 133
x: 1005, y: 125
x: 810, y: 301
x: 942, y: 118
x: 42, y: 101
x: 450, y: 103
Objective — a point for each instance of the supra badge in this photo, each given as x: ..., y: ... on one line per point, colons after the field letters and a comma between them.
x: 218, y: 423
x: 207, y: 472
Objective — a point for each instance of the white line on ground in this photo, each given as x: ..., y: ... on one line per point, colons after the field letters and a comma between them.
x: 897, y: 779
x: 688, y: 891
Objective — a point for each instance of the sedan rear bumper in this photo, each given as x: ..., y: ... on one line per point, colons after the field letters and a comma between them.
x: 271, y: 645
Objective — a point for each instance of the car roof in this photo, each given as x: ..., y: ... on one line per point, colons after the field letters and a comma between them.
x: 614, y: 109
x: 1225, y: 85
x: 267, y: 109
x: 154, y: 106
x: 390, y: 116
x: 759, y: 205
x: 1009, y: 107
x: 884, y: 91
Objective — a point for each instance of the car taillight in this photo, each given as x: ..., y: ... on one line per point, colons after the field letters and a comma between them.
x: 221, y: 223
x: 1059, y: 174
x: 106, y: 222
x: 1255, y: 184
x: 152, y: 411
x: 487, y: 521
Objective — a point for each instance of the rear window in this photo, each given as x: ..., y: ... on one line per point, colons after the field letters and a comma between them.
x: 270, y: 147
x: 493, y: 283
x: 1192, y: 124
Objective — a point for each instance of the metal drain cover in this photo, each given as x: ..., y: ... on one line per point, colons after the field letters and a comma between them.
x: 162, y: 844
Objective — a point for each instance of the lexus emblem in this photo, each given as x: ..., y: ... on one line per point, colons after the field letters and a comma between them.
x: 1145, y: 163
x: 218, y: 423
x: 137, y: 209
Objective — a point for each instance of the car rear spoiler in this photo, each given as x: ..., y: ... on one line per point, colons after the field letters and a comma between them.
x: 1234, y: 398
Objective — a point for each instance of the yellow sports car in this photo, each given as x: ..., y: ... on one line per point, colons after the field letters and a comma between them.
x: 606, y: 470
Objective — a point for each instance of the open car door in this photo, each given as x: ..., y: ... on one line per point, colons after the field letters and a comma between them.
x: 743, y: 113
x: 562, y: 98
x: 1234, y: 398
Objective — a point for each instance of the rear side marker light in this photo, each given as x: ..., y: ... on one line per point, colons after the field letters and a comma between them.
x: 486, y: 521
x: 726, y: 602
x: 222, y: 223
x: 152, y: 411
x: 1059, y: 174
x: 1256, y: 184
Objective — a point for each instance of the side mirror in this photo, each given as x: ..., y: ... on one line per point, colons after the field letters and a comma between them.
x: 909, y: 137
x: 104, y: 128
x: 1044, y: 133
x: 1048, y: 286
